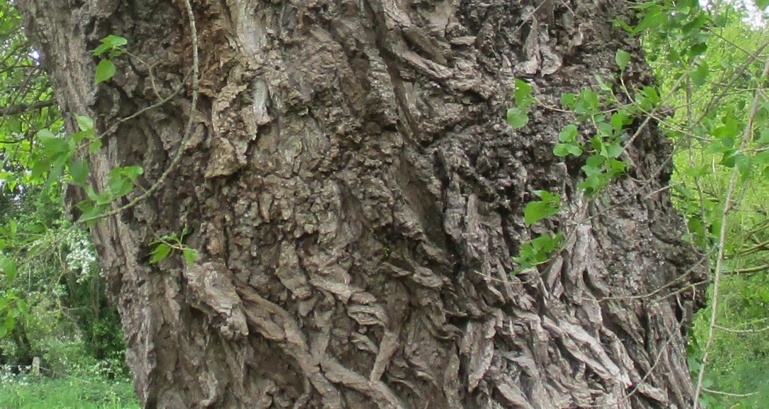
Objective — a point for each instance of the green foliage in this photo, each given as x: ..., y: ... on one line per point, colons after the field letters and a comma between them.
x: 61, y: 301
x: 597, y: 113
x: 52, y: 298
x: 711, y: 66
x: 111, y: 47
x: 23, y: 392
x: 172, y: 242
x: 537, y: 251
x: 12, y: 307
x: 518, y: 116
x: 606, y: 143
x: 622, y: 58
x: 569, y: 144
x: 540, y: 209
x: 9, y: 267
x: 105, y: 70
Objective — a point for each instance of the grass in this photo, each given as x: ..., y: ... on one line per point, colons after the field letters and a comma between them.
x: 66, y: 393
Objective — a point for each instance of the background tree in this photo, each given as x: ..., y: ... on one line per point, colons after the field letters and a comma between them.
x: 56, y: 308
x: 721, y: 131
x: 345, y: 174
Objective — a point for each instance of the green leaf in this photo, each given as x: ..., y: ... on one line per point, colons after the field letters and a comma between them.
x: 84, y: 123
x: 13, y: 227
x: 698, y: 49
x: 568, y: 134
x: 622, y: 24
x: 730, y: 129
x: 101, y: 49
x: 700, y: 74
x: 597, y: 143
x: 685, y: 5
x: 534, y: 212
x: 647, y: 5
x: 119, y: 186
x: 40, y: 167
x: 7, y: 326
x: 683, y: 191
x: 109, y: 43
x: 588, y: 102
x: 9, y: 268
x: 595, y: 161
x: 649, y: 97
x: 114, y: 41
x: 78, y: 136
x: 695, y: 172
x: 605, y: 129
x: 540, y: 209
x: 517, y: 117
x: 602, y: 85
x: 131, y: 172
x: 524, y: 256
x: 730, y: 158
x: 545, y: 243
x: 744, y: 165
x: 160, y: 252
x: 721, y: 145
x: 561, y: 149
x: 655, y: 17
x: 13, y: 124
x: 79, y: 171
x: 121, y: 180
x: 565, y: 149
x: 622, y: 58
x: 53, y: 146
x: 762, y: 4
x: 91, y: 211
x: 104, y: 71
x: 762, y: 158
x: 548, y: 196
x: 94, y: 146
x: 189, y: 255
x: 612, y: 150
x: 537, y: 250
x: 569, y: 100
x: 38, y: 228
x: 522, y: 93
x: 620, y: 119
x: 591, y: 184
x: 616, y: 166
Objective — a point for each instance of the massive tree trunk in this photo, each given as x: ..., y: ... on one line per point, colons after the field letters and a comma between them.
x: 356, y: 196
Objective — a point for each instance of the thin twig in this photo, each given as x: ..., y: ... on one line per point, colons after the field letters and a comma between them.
x: 741, y: 331
x: 733, y: 395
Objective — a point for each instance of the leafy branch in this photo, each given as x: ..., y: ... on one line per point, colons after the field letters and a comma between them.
x: 172, y: 242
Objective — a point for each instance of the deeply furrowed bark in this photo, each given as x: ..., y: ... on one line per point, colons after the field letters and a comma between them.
x: 356, y: 196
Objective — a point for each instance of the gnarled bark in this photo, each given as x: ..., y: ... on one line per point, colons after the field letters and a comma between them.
x: 356, y: 197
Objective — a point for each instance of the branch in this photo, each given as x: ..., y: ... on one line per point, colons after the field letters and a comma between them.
x: 748, y: 270
x: 22, y: 108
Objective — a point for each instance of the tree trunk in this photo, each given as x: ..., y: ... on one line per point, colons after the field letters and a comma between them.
x: 356, y: 196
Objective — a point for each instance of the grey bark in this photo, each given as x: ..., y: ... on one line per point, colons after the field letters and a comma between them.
x: 356, y: 197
